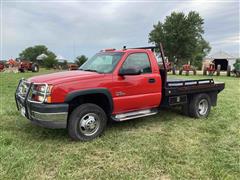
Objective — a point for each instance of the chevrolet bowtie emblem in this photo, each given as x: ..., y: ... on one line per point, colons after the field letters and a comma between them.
x: 120, y: 93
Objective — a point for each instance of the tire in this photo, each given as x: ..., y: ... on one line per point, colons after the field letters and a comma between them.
x: 185, y: 109
x: 218, y: 70
x: 194, y: 72
x: 35, y: 68
x: 204, y: 71
x: 80, y: 122
x: 180, y: 72
x: 200, y: 106
x: 21, y: 70
x: 229, y: 70
x: 237, y: 73
x: 174, y: 70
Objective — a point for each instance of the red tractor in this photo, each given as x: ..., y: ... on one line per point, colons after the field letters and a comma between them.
x: 27, y: 66
x: 169, y: 67
x: 19, y: 65
x: 187, y: 68
x: 211, y: 69
x: 1, y: 66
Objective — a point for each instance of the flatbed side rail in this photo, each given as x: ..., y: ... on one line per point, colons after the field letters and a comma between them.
x: 184, y: 83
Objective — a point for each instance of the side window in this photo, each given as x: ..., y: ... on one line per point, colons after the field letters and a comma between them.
x: 138, y: 61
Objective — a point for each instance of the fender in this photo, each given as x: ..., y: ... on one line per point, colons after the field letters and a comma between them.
x: 103, y: 91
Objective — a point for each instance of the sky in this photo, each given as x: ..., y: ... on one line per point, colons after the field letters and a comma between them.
x: 71, y: 28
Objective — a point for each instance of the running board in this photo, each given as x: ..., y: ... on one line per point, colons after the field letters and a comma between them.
x: 134, y: 114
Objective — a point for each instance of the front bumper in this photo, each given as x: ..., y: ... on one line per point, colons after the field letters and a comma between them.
x: 42, y: 114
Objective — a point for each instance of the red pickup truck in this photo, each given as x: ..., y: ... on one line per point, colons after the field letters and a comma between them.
x: 114, y: 85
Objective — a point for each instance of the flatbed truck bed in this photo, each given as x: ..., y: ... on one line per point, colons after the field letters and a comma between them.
x: 179, y: 91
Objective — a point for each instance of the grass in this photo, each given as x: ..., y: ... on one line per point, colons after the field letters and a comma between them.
x: 164, y: 146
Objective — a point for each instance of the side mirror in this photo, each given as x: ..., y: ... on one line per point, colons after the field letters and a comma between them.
x: 129, y: 71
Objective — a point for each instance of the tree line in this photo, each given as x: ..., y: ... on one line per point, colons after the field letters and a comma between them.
x: 48, y: 61
x: 181, y: 35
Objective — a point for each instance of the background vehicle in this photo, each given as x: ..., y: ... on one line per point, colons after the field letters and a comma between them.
x: 211, y: 69
x: 72, y: 67
x: 19, y: 65
x: 114, y: 84
x: 187, y: 68
x: 25, y: 65
x: 1, y: 66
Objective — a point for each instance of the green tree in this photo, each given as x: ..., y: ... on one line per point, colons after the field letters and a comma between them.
x: 182, y: 37
x: 236, y: 65
x: 80, y: 60
x: 203, y: 48
x: 64, y: 64
x: 31, y: 53
x: 50, y: 61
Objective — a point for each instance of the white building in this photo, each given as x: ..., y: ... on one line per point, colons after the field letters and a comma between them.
x: 41, y: 57
x: 61, y: 59
x: 220, y: 58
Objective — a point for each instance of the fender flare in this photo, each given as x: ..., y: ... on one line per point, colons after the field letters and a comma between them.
x: 77, y: 93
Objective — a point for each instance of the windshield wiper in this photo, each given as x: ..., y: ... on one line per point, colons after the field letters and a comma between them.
x: 91, y: 70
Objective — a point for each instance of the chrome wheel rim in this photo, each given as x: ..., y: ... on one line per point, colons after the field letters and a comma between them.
x: 203, y: 107
x: 89, y: 124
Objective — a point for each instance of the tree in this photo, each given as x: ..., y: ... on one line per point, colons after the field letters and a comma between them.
x: 203, y: 48
x: 80, y: 60
x: 50, y: 61
x: 181, y: 36
x: 31, y: 53
x: 64, y: 64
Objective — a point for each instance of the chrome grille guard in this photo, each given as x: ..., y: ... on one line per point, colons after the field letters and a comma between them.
x: 25, y: 88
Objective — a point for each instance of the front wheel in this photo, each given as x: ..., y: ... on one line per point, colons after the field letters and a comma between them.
x: 86, y: 122
x: 200, y: 106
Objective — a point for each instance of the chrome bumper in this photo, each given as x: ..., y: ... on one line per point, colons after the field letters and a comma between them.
x: 58, y: 117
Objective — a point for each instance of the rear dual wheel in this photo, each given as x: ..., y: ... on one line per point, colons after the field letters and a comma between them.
x: 198, y: 107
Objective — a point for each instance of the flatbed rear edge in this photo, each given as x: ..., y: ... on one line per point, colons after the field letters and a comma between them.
x: 180, y: 95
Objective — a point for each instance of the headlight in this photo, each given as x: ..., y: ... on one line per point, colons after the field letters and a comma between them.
x: 41, y: 93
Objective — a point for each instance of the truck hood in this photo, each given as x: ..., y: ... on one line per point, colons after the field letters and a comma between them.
x: 63, y: 77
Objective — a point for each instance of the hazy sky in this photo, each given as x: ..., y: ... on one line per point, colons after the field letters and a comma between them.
x: 70, y: 28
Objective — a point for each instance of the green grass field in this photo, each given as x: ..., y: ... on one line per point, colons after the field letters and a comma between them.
x: 164, y: 146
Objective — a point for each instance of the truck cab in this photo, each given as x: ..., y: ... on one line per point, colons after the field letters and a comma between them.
x: 114, y: 85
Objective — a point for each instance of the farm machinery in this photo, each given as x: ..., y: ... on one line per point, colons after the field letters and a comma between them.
x: 1, y: 66
x: 187, y: 68
x: 72, y: 67
x: 211, y: 69
x: 27, y: 66
x: 18, y: 65
x: 169, y: 67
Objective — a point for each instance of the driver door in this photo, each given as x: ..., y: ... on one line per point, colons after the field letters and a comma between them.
x: 135, y: 92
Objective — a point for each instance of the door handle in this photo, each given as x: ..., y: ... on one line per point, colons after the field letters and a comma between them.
x: 151, y: 80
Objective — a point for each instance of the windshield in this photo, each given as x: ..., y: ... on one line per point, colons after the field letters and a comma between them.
x: 102, y: 62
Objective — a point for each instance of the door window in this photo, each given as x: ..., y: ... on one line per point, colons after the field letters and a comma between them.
x: 139, y: 61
